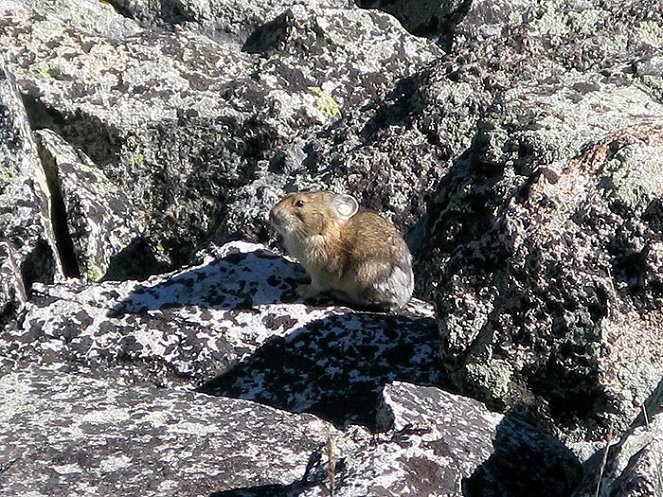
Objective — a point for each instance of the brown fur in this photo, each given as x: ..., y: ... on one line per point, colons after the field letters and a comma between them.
x: 355, y: 255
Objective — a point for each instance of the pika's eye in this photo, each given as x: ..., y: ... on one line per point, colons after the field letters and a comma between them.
x: 299, y: 203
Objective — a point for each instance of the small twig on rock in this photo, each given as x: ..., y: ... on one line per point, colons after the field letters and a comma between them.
x: 331, y: 465
x: 604, y: 460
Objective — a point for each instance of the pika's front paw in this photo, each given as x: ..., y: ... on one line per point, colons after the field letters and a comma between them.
x: 307, y: 291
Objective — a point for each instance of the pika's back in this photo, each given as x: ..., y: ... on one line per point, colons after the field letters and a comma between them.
x: 379, y: 263
x: 367, y: 234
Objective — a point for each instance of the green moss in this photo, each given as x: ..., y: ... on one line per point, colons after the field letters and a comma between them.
x: 325, y: 103
x: 138, y: 160
x: 8, y: 175
x: 492, y: 376
x: 44, y: 69
x: 94, y: 273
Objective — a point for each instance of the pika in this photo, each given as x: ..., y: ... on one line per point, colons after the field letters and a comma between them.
x: 353, y: 253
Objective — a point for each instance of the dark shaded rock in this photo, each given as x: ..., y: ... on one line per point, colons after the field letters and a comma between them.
x: 102, y: 369
x: 433, y: 445
x: 430, y: 18
x: 629, y: 464
x: 28, y: 248
x: 540, y: 242
x: 525, y: 461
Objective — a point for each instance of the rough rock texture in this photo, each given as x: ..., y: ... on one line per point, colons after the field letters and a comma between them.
x: 96, y: 221
x: 530, y: 133
x: 419, y: 455
x: 629, y: 464
x: 112, y: 364
x: 184, y: 328
x: 64, y: 434
x: 179, y: 121
x: 546, y: 232
x: 27, y: 242
x: 226, y: 21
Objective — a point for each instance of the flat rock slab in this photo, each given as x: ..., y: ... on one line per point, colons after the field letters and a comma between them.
x: 63, y: 434
x: 233, y: 326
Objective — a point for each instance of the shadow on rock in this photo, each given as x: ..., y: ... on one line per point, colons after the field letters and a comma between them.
x: 261, y: 491
x: 236, y: 281
x: 525, y: 462
x: 336, y: 367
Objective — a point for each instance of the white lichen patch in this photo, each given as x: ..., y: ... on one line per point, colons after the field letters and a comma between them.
x: 67, y: 469
x: 114, y: 463
x: 106, y: 416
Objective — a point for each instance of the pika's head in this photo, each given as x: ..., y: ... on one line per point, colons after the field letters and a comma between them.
x: 305, y: 214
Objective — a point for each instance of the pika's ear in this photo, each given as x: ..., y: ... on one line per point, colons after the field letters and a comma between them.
x: 346, y: 206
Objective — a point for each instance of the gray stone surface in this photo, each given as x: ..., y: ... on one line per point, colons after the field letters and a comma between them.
x: 65, y: 434
x: 27, y: 241
x: 519, y: 148
x: 97, y: 221
x: 106, y: 371
x: 186, y: 327
x: 545, y: 233
x: 178, y: 120
x: 629, y: 464
x: 420, y: 453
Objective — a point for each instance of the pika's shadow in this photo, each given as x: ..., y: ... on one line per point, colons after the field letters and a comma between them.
x: 237, y: 281
x: 336, y: 367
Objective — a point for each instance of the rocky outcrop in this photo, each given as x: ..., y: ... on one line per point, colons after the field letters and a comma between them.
x: 545, y: 232
x: 185, y: 328
x: 178, y: 120
x: 113, y: 365
x: 97, y: 222
x: 64, y: 434
x: 519, y: 150
x: 28, y: 246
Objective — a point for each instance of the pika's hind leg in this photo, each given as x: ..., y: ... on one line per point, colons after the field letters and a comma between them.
x: 390, y: 287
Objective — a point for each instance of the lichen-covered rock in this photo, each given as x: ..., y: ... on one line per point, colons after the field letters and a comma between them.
x: 227, y: 21
x: 525, y: 461
x: 632, y: 465
x: 178, y: 121
x: 235, y: 316
x: 437, y: 443
x: 98, y: 18
x: 336, y: 365
x: 27, y: 242
x: 96, y: 222
x: 419, y: 451
x: 105, y: 372
x: 65, y: 434
x: 545, y: 234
